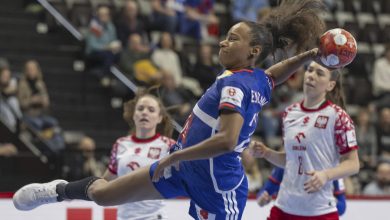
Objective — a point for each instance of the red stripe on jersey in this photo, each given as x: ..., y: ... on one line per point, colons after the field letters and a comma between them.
x: 336, y: 193
x: 242, y: 70
x: 226, y: 105
x: 272, y: 179
x: 324, y: 105
x: 113, y: 164
x: 112, y: 171
x: 138, y: 140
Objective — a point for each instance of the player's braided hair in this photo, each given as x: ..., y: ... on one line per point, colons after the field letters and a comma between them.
x: 293, y: 22
x: 164, y: 128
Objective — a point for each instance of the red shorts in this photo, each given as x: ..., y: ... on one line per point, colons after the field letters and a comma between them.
x: 278, y: 214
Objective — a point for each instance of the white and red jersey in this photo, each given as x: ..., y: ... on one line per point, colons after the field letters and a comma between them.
x: 313, y: 139
x: 130, y: 153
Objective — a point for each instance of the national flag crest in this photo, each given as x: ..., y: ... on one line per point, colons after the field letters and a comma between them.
x: 321, y: 121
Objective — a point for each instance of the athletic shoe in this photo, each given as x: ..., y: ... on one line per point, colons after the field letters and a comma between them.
x: 33, y: 195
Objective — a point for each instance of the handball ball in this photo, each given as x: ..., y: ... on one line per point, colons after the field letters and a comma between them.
x: 337, y: 48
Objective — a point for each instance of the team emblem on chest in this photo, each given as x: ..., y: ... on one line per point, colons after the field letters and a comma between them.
x: 154, y: 153
x: 321, y: 121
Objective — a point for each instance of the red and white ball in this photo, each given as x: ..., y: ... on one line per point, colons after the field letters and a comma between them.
x: 337, y: 48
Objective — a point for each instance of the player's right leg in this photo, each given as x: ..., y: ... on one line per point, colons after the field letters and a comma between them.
x: 133, y: 187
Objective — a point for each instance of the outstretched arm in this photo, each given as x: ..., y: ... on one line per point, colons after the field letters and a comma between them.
x: 281, y: 71
x: 260, y: 150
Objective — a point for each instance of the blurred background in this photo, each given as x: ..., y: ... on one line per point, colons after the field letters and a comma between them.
x: 67, y: 66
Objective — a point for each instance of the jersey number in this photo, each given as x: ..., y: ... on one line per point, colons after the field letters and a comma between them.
x: 300, y: 168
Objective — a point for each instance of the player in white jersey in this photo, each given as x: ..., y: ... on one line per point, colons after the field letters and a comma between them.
x: 319, y: 147
x: 144, y: 146
x: 207, y: 152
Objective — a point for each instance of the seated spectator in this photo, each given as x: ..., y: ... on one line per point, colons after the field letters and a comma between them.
x: 205, y: 69
x: 366, y: 138
x: 102, y: 44
x: 82, y: 162
x: 381, y: 185
x: 247, y: 10
x: 135, y: 61
x: 8, y: 150
x: 4, y: 63
x: 383, y: 134
x: 381, y: 79
x: 35, y: 104
x: 198, y: 16
x: 178, y: 98
x: 129, y: 22
x: 167, y: 59
x: 289, y: 92
x: 163, y: 16
x: 10, y: 112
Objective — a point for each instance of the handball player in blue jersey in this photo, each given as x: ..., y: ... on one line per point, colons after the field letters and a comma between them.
x: 204, y: 164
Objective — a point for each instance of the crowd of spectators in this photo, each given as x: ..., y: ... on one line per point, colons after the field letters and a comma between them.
x: 155, y: 49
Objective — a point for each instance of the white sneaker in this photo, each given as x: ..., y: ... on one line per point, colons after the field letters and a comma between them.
x: 33, y: 195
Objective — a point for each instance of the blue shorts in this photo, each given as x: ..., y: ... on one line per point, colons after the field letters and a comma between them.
x: 206, y: 202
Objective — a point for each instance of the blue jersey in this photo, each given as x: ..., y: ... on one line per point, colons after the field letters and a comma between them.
x: 217, y: 186
x: 244, y: 91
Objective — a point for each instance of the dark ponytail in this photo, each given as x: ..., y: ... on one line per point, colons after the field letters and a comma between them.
x: 293, y: 22
x: 337, y: 94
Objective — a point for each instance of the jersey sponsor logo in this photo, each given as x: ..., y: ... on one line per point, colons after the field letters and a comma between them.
x: 290, y: 121
x: 321, y: 122
x: 306, y: 120
x: 204, y: 214
x: 137, y: 150
x: 299, y: 148
x: 351, y: 138
x: 232, y: 92
x: 154, y: 152
x: 232, y: 95
x: 300, y: 136
x: 133, y: 165
x: 258, y: 98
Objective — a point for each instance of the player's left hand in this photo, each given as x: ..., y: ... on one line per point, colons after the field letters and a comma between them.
x: 316, y: 182
x: 166, y: 162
